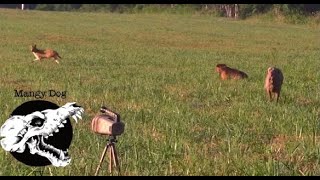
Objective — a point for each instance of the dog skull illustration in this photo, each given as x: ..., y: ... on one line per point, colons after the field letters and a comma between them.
x: 30, y: 130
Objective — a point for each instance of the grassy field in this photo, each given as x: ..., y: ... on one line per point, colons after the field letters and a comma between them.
x: 157, y: 71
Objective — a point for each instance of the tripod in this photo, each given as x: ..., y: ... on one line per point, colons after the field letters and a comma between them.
x: 113, y: 158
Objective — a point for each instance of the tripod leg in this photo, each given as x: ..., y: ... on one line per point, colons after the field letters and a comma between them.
x: 110, y: 158
x: 115, y: 158
x: 101, y: 159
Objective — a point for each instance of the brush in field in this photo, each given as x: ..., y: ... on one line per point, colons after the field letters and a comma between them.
x: 47, y: 53
x: 273, y: 82
x: 226, y: 72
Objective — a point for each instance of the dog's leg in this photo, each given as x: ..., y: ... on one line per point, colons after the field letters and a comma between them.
x: 278, y: 95
x: 35, y: 55
x: 270, y: 95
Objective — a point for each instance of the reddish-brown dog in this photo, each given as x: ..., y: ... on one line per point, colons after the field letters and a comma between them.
x: 47, y: 53
x: 273, y: 82
x: 226, y: 72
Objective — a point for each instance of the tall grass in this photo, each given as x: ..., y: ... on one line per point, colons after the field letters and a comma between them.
x: 157, y: 71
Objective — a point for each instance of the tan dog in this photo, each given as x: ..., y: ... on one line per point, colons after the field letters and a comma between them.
x: 47, y: 53
x: 273, y: 82
x: 226, y: 72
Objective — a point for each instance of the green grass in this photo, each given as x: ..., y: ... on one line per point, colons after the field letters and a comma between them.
x: 157, y: 71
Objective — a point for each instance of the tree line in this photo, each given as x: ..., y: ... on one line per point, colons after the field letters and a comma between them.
x: 224, y: 10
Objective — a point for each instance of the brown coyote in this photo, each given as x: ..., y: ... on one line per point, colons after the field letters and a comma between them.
x: 47, y: 53
x: 273, y: 82
x: 229, y: 73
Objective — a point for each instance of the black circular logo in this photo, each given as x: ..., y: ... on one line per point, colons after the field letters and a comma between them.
x: 39, y: 133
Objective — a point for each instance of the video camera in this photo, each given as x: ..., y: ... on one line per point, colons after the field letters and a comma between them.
x: 107, y: 123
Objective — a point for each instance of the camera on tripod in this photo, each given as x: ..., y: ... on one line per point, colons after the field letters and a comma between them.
x: 107, y: 123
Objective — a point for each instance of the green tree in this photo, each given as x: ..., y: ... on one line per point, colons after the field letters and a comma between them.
x: 62, y: 7
x: 247, y: 10
x: 45, y: 7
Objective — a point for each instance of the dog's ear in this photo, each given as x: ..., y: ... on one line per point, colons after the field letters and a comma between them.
x: 221, y: 65
x: 270, y: 69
